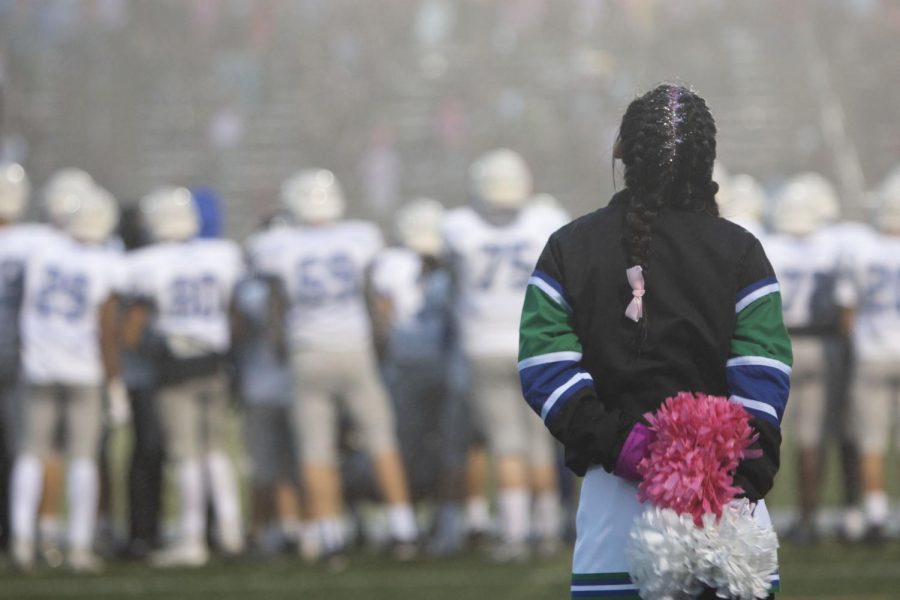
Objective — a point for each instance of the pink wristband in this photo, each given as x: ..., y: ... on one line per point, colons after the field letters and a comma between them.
x: 634, y: 449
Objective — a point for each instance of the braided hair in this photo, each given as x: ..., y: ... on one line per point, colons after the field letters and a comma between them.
x: 667, y: 142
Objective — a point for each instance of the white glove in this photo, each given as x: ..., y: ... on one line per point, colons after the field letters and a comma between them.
x: 118, y: 410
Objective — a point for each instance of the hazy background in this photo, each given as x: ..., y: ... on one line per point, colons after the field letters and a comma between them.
x: 398, y: 96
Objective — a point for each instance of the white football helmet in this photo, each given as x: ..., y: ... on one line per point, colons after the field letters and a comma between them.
x: 62, y: 191
x: 170, y: 214
x: 419, y: 226
x: 94, y: 217
x: 14, y: 191
x: 829, y: 203
x: 313, y: 196
x: 500, y: 180
x: 804, y: 205
x: 742, y: 197
x: 888, y: 215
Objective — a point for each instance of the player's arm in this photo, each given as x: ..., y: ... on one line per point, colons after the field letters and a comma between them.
x: 847, y: 295
x: 277, y: 316
x: 847, y: 320
x: 110, y: 345
x: 554, y: 382
x: 134, y: 324
x: 117, y: 408
x: 380, y: 308
x: 759, y: 368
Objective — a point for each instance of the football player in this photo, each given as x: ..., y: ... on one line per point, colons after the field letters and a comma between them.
x: 493, y: 245
x: 413, y: 326
x: 69, y: 353
x: 14, y: 192
x: 872, y: 302
x: 806, y: 261
x: 265, y: 390
x: 186, y: 283
x: 322, y: 263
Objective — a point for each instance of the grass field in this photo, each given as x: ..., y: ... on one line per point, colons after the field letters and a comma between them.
x: 828, y: 571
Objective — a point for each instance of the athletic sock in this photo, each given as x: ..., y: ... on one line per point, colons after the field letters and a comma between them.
x: 514, y: 514
x: 83, y: 495
x: 547, y: 516
x: 331, y: 534
x: 223, y: 488
x: 478, y: 516
x: 27, y: 484
x: 877, y: 508
x: 190, y: 486
x: 402, y: 522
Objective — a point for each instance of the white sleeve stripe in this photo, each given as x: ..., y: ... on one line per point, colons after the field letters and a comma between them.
x: 548, y: 289
x: 552, y: 357
x: 755, y: 405
x: 756, y: 295
x: 554, y: 397
x: 758, y: 361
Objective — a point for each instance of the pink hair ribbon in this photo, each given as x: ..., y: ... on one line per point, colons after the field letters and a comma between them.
x: 635, y: 308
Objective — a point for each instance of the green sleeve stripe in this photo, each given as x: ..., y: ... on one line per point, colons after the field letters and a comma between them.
x: 545, y: 327
x: 760, y: 331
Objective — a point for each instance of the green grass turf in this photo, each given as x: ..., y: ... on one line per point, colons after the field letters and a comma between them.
x: 828, y: 571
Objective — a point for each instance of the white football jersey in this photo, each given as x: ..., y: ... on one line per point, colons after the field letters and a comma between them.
x: 190, y: 284
x: 807, y: 269
x: 492, y: 265
x: 66, y: 283
x: 420, y: 323
x: 874, y: 290
x: 323, y: 269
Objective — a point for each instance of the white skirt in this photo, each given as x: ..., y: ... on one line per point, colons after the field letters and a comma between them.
x: 606, y: 511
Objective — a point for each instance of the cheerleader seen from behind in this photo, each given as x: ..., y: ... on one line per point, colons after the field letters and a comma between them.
x: 633, y: 303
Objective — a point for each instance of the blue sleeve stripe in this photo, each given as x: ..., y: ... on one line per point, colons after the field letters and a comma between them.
x: 765, y: 281
x: 758, y: 361
x: 762, y: 384
x: 551, y: 357
x: 539, y: 383
x: 758, y: 409
x: 551, y: 287
x: 755, y: 295
x: 561, y: 393
x: 560, y: 402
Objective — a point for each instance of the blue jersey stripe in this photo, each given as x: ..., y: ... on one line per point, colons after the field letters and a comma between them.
x: 755, y: 286
x: 551, y: 287
x: 762, y: 383
x: 548, y: 412
x: 758, y: 409
x: 540, y: 381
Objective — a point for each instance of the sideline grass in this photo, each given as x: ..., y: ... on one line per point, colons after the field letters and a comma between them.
x: 828, y: 571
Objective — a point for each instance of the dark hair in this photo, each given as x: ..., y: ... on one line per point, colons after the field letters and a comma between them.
x: 667, y: 142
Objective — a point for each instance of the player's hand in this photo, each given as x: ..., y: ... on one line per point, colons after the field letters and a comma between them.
x: 118, y: 410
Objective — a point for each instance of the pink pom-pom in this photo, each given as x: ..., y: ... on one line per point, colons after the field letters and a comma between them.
x: 699, y: 442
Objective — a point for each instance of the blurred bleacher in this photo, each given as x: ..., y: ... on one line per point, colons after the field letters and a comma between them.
x: 398, y: 96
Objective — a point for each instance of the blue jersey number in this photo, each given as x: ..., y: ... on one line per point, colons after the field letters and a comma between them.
x: 883, y: 291
x: 195, y: 297
x: 322, y: 279
x: 508, y: 258
x: 62, y: 294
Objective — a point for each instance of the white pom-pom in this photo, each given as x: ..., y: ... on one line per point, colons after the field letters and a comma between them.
x: 736, y: 556
x: 660, y: 555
